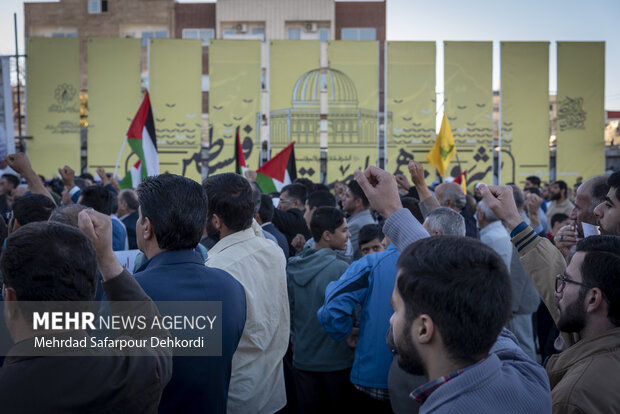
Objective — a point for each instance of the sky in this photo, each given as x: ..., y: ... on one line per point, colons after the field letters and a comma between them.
x: 486, y: 20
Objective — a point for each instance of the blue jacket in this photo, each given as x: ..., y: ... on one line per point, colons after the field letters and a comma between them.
x: 369, y: 281
x: 198, y: 384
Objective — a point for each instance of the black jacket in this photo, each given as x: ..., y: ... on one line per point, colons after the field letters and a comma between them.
x: 291, y: 222
x: 85, y: 381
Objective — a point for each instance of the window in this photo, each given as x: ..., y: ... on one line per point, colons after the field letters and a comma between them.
x: 97, y: 6
x: 324, y: 34
x: 205, y: 83
x: 259, y: 31
x: 203, y: 34
x: 359, y: 33
x: 67, y: 34
x: 163, y: 34
x: 294, y: 34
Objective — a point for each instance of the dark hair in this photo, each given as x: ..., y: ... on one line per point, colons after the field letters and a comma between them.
x: 46, y: 261
x: 614, y: 181
x: 368, y: 233
x: 446, y: 277
x: 320, y: 187
x: 67, y: 214
x: 357, y: 192
x: 11, y: 178
x: 534, y: 180
x: 177, y: 209
x: 80, y: 183
x: 321, y: 199
x: 295, y: 191
x: 265, y: 212
x: 413, y: 204
x: 325, y: 218
x: 561, y: 184
x: 56, y: 185
x: 533, y: 190
x: 230, y: 197
x: 307, y: 183
x: 130, y: 198
x: 32, y: 207
x: 87, y: 176
x: 601, y: 268
x: 97, y: 198
x: 558, y: 218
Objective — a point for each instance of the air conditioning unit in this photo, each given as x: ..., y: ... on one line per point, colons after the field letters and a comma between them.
x: 310, y: 27
x: 241, y: 28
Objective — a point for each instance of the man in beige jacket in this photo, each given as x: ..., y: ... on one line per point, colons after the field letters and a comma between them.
x: 584, y: 301
x: 257, y: 378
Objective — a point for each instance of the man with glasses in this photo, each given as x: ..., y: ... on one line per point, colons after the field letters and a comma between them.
x: 584, y: 302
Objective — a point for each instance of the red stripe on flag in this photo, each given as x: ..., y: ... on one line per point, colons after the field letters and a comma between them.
x: 137, y: 125
x: 276, y: 167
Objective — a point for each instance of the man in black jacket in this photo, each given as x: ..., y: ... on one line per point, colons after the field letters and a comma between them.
x: 48, y: 261
x: 289, y: 216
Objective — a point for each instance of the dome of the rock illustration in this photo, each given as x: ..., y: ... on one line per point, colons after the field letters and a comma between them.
x: 341, y: 90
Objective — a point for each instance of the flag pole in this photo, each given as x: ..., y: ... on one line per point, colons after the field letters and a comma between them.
x: 118, y: 160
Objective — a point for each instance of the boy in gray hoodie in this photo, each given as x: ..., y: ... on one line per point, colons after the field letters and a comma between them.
x: 322, y: 364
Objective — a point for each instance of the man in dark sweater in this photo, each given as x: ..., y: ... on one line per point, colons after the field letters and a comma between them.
x: 289, y: 216
x: 46, y: 261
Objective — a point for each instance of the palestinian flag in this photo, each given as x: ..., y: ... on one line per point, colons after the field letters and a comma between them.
x: 142, y: 140
x: 278, y: 171
x: 240, y: 165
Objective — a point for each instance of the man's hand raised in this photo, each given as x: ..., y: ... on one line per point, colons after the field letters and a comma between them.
x: 502, y: 203
x: 19, y: 162
x: 381, y: 189
x: 98, y: 228
x: 68, y: 176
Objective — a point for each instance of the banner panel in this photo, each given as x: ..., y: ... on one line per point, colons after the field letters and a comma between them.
x: 234, y: 101
x: 295, y: 84
x: 410, y: 104
x: 53, y: 104
x: 175, y: 71
x: 525, y: 111
x: 469, y: 106
x: 352, y: 88
x: 7, y: 131
x: 580, y: 109
x: 113, y: 99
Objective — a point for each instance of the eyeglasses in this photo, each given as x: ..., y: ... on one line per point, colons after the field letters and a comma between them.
x: 285, y: 201
x: 561, y: 281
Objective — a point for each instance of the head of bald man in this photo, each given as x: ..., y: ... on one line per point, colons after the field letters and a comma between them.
x: 451, y: 195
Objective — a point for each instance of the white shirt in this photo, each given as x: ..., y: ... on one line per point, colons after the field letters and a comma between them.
x: 257, y: 379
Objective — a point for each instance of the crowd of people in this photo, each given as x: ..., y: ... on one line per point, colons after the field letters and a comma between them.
x: 377, y: 295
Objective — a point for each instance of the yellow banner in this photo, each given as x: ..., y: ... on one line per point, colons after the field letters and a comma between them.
x: 525, y: 111
x: 113, y: 99
x: 234, y: 101
x: 580, y: 109
x: 410, y: 104
x: 53, y: 104
x: 352, y: 88
x: 469, y: 107
x: 295, y: 91
x: 175, y: 71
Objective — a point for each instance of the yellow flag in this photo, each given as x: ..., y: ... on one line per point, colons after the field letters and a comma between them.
x: 444, y: 149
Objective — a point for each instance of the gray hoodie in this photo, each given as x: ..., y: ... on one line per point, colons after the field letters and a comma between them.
x: 308, y: 275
